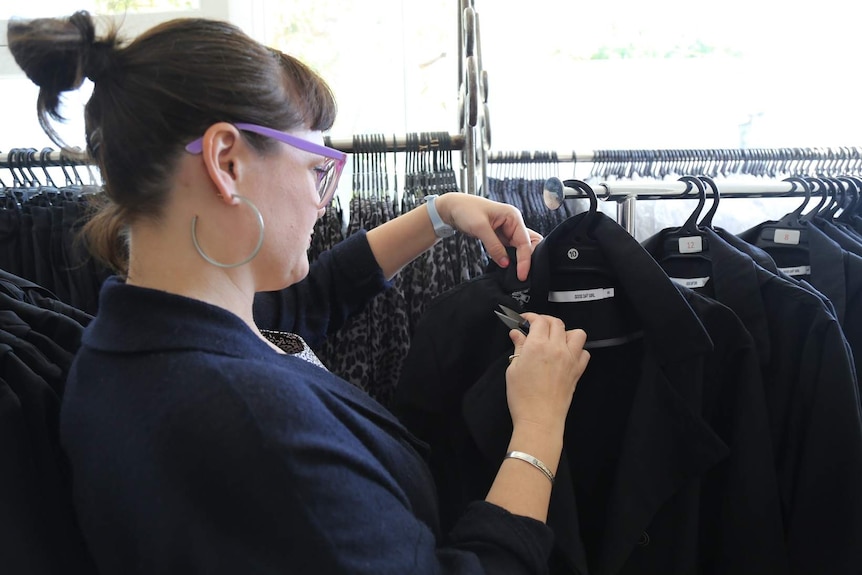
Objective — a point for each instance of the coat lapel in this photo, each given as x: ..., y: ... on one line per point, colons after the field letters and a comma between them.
x: 667, y: 447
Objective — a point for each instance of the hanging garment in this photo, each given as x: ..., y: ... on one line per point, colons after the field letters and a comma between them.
x: 39, y: 532
x: 765, y: 261
x: 39, y: 234
x: 834, y: 272
x: 526, y: 195
x: 809, y: 380
x: 667, y: 460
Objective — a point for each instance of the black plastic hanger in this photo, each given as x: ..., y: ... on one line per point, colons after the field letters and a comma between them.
x: 706, y: 222
x: 838, y: 199
x: 788, y: 235
x: 687, y: 241
x: 826, y: 189
x: 575, y: 249
x: 854, y: 186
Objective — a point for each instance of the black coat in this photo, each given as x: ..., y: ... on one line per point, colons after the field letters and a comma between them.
x: 814, y: 414
x: 835, y: 272
x: 666, y: 466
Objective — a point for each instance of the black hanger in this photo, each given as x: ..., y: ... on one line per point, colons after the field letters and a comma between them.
x: 854, y: 186
x: 706, y: 222
x: 574, y: 248
x: 838, y: 199
x: 43, y: 162
x: 687, y: 241
x: 582, y: 232
x: 826, y: 189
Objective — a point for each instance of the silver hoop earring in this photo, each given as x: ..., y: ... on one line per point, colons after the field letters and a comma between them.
x: 253, y: 253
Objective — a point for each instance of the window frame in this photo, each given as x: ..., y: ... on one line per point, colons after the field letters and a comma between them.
x: 247, y: 14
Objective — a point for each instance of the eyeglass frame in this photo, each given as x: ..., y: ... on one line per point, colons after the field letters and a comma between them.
x: 340, y: 158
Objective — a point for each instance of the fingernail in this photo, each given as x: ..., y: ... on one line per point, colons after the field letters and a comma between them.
x: 504, y: 262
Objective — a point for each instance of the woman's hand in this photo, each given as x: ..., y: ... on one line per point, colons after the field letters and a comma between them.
x: 495, y: 224
x: 544, y: 372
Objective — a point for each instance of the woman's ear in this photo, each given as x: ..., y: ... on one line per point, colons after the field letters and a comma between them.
x: 221, y: 155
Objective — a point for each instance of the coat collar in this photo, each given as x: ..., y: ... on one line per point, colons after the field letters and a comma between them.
x: 735, y: 283
x: 839, y: 236
x: 126, y: 323
x: 644, y: 283
x: 827, y: 269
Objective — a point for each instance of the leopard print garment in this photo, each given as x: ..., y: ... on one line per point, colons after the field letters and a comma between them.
x: 369, y: 349
x: 292, y: 344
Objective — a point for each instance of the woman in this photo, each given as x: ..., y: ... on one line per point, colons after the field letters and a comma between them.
x: 198, y: 441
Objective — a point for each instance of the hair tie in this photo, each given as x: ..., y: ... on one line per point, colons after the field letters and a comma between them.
x: 99, y: 60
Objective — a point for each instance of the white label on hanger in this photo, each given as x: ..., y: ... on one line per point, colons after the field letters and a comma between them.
x: 580, y: 295
x: 797, y: 271
x: 691, y: 245
x: 691, y: 283
x: 790, y: 237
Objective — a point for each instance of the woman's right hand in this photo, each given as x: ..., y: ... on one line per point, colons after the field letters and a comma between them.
x: 542, y: 377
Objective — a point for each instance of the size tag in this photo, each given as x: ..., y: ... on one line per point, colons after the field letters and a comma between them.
x: 797, y: 271
x: 691, y: 283
x: 580, y: 295
x: 790, y: 237
x: 691, y: 245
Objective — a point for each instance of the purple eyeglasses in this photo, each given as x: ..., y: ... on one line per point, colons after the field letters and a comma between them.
x: 327, y: 175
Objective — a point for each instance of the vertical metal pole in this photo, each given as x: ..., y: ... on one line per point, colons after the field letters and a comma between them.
x: 627, y: 214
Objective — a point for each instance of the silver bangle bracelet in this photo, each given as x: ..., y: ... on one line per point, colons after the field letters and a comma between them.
x: 532, y: 461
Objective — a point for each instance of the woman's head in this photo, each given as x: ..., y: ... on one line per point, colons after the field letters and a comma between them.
x: 155, y: 95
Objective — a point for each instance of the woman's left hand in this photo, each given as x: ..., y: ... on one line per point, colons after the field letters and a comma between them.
x: 495, y: 224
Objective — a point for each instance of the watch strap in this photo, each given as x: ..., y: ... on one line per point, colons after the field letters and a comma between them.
x: 441, y: 228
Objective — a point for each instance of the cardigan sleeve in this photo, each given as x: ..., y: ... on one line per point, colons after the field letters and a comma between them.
x: 339, y: 284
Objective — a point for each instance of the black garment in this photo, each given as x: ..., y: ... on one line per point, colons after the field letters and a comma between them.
x: 765, y: 261
x: 816, y: 428
x: 666, y: 466
x: 39, y: 533
x: 41, y: 254
x: 10, y: 244
x: 84, y: 274
x: 836, y: 273
x: 847, y: 242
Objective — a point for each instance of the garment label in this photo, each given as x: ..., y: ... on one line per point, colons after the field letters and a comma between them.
x: 580, y: 295
x: 790, y: 237
x: 691, y: 283
x: 691, y: 245
x: 797, y: 271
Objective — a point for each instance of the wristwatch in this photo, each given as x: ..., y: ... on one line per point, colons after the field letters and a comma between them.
x: 441, y: 228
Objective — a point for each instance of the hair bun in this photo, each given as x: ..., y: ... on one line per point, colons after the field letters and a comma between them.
x: 98, y: 60
x: 97, y: 55
x: 57, y: 53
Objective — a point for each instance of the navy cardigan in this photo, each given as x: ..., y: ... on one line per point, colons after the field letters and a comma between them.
x: 196, y: 448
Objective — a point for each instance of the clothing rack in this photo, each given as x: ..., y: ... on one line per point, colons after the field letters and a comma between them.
x: 399, y: 143
x: 711, y: 162
x: 669, y: 155
x: 396, y: 143
x: 48, y: 157
x: 30, y: 158
x: 627, y: 193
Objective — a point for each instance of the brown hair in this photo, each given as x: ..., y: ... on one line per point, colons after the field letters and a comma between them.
x: 153, y: 96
